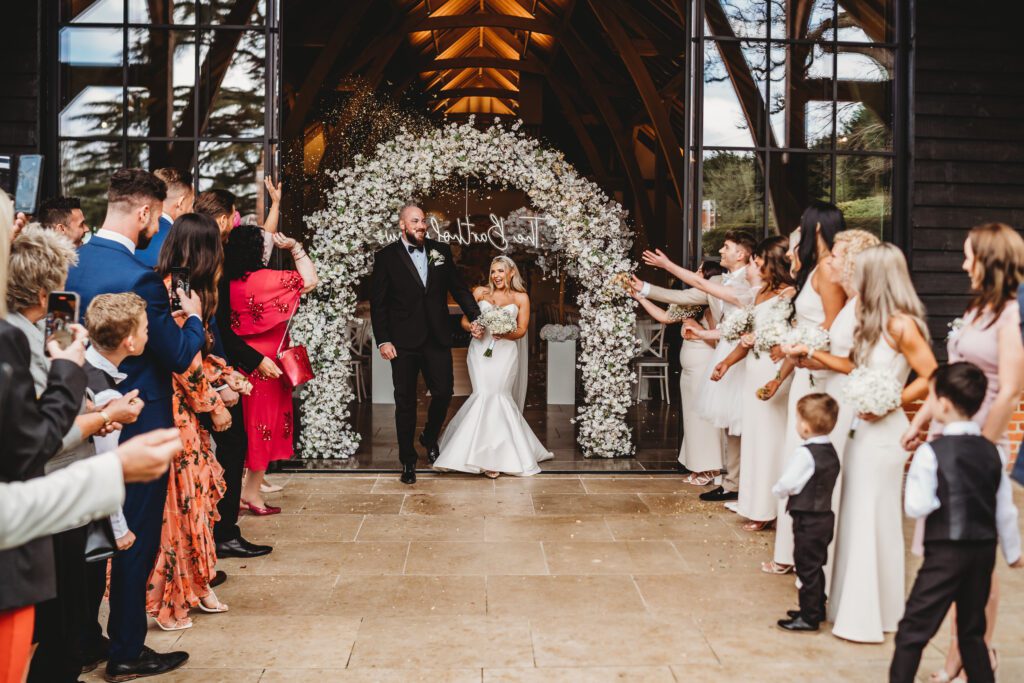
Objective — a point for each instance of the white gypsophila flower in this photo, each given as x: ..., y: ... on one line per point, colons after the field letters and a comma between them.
x: 874, y: 391
x: 559, y: 333
x: 955, y: 326
x: 677, y: 312
x: 737, y: 323
x: 813, y: 337
x: 583, y: 226
x: 775, y: 326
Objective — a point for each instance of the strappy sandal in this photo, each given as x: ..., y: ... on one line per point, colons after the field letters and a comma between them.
x: 774, y: 567
x: 218, y: 609
x: 699, y: 478
x: 176, y: 626
x: 759, y: 526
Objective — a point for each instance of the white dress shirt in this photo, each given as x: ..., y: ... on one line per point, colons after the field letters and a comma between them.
x: 419, y: 259
x: 922, y: 498
x: 65, y: 499
x: 799, y: 469
x: 108, y: 442
x: 116, y: 237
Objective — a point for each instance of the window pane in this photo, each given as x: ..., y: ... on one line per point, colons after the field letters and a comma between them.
x: 234, y: 12
x: 95, y: 111
x: 866, y: 22
x: 169, y: 12
x: 864, y: 192
x: 91, y: 46
x: 864, y: 113
x: 734, y: 118
x: 92, y: 11
x: 237, y: 167
x: 237, y: 105
x: 802, y: 98
x: 161, y: 86
x: 818, y: 25
x: 85, y: 169
x: 795, y: 180
x: 733, y: 197
x: 742, y: 18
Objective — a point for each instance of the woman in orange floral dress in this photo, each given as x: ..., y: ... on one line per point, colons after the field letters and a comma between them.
x: 186, y: 562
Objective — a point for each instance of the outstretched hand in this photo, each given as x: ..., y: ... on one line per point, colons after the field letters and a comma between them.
x: 657, y: 258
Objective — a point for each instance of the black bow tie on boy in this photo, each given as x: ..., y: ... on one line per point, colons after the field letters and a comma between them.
x: 413, y: 248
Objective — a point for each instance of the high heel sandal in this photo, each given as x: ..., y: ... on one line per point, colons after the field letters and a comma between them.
x: 178, y: 625
x: 774, y: 567
x: 219, y: 609
x: 699, y: 478
x: 261, y: 511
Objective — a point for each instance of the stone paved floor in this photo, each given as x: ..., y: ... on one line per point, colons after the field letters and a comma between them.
x: 555, y: 578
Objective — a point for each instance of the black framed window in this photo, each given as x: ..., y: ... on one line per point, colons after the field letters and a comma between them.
x: 184, y: 83
x: 794, y: 101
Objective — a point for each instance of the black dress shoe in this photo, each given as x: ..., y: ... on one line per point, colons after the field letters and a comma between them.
x: 218, y: 578
x: 149, y: 663
x: 797, y: 624
x: 720, y: 494
x: 793, y: 613
x: 239, y: 547
x: 408, y: 474
x: 433, y: 452
x: 95, y: 655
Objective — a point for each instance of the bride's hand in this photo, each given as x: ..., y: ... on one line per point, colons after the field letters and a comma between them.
x: 657, y: 259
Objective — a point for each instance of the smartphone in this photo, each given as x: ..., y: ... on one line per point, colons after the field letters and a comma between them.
x: 26, y: 194
x: 61, y: 313
x: 179, y: 280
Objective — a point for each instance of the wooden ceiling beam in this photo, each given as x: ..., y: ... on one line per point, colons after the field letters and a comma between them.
x: 525, y: 65
x: 649, y: 94
x: 455, y: 93
x: 486, y: 20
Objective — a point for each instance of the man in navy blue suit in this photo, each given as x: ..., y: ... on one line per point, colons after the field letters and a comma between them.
x: 107, y: 264
x: 180, y: 197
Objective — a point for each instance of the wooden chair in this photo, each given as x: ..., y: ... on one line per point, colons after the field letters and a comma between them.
x: 652, y: 363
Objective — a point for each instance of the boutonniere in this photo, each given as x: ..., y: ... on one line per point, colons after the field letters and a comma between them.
x: 954, y: 329
x: 436, y: 258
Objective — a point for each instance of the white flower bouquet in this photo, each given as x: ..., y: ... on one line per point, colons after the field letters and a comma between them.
x: 497, y: 321
x: 737, y: 324
x: 676, y: 312
x: 813, y: 337
x: 560, y: 333
x: 873, y: 391
x: 776, y: 327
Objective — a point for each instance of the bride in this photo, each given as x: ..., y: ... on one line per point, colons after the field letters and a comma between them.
x: 489, y: 433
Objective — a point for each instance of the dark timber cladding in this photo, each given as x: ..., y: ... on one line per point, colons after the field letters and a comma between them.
x: 19, y: 80
x: 968, y: 140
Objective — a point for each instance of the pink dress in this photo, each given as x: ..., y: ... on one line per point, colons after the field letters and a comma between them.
x: 260, y: 306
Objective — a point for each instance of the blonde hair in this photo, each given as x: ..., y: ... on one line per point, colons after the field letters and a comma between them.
x: 884, y: 290
x: 856, y: 241
x: 999, y: 264
x: 111, y: 318
x: 513, y: 277
x: 820, y: 412
x: 6, y: 225
x: 39, y: 260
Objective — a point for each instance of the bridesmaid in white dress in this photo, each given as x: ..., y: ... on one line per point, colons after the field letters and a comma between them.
x: 843, y: 261
x: 818, y: 301
x: 701, y: 449
x: 761, y: 457
x: 489, y: 434
x: 868, y: 582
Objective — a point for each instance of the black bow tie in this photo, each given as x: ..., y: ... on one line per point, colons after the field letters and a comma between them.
x: 414, y: 248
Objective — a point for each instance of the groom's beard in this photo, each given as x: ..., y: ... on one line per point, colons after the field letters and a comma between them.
x: 144, y: 241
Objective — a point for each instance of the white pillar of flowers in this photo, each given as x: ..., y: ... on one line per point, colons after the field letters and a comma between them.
x: 561, y: 340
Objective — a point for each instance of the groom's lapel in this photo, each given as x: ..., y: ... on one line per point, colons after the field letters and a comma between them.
x: 403, y: 254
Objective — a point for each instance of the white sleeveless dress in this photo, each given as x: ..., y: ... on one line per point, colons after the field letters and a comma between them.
x: 719, y: 402
x: 764, y: 425
x: 868, y: 582
x: 701, y: 450
x: 489, y: 431
x: 809, y: 311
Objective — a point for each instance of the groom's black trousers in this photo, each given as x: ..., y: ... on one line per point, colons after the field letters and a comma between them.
x: 435, y: 362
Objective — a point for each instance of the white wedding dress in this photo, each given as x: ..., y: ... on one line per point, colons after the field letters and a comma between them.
x: 489, y: 432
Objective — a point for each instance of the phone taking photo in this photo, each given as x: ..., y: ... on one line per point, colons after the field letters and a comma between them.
x: 26, y: 195
x: 61, y: 313
x: 179, y: 280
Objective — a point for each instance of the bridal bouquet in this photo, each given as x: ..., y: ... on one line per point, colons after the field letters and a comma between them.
x: 776, y: 327
x: 497, y: 321
x: 737, y: 324
x: 676, y: 312
x: 813, y: 337
x: 873, y: 391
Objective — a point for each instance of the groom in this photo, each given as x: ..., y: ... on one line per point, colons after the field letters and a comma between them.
x: 409, y: 289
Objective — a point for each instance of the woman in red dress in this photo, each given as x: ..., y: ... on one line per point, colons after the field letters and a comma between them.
x: 262, y: 302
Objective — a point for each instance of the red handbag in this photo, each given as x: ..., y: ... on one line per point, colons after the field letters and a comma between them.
x: 294, y: 360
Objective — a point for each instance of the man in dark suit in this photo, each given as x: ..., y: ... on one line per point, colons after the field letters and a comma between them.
x: 409, y: 310
x: 107, y: 264
x: 180, y: 196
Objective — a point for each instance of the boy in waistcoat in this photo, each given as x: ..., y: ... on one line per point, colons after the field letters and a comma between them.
x: 808, y: 481
x: 958, y: 482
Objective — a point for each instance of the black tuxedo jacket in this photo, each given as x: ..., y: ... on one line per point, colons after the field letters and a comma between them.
x: 406, y: 313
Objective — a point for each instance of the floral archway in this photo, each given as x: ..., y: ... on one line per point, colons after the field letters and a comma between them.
x: 589, y: 227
